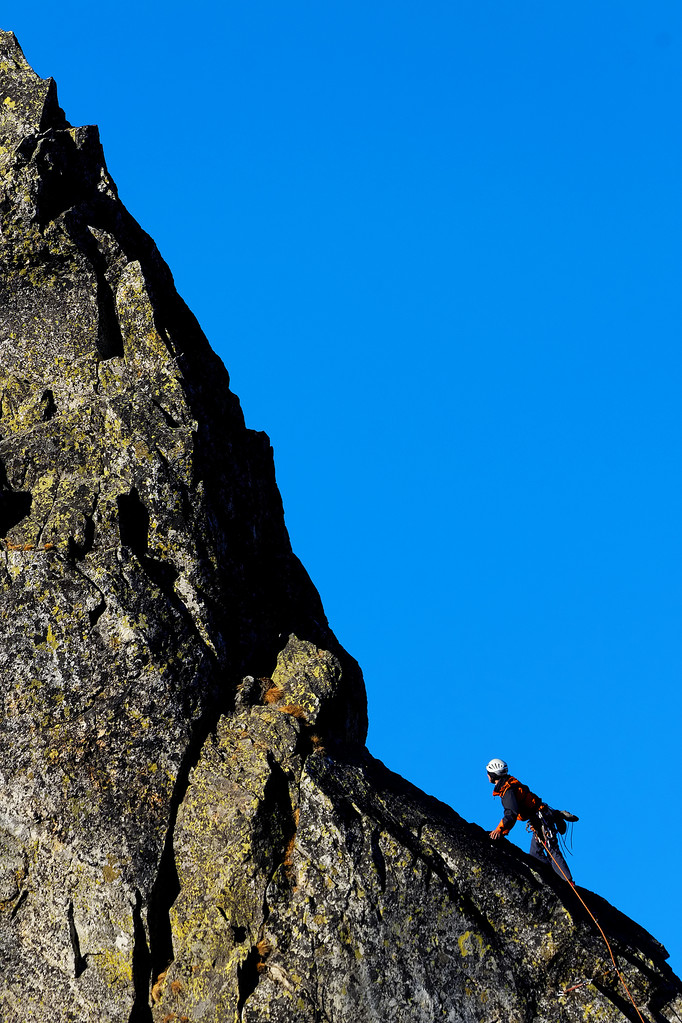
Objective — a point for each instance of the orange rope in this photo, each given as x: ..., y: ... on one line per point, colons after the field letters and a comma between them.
x: 613, y: 958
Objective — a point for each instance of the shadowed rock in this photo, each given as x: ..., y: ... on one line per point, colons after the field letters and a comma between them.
x: 190, y: 826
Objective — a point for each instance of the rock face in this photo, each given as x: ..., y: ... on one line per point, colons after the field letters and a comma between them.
x: 190, y: 826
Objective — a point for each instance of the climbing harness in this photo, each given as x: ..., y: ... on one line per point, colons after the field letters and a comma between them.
x: 548, y: 819
x: 541, y: 838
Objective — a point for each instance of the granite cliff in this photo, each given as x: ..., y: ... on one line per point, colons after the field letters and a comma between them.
x: 191, y: 828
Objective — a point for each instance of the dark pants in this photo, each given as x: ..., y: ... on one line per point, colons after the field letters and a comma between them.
x: 545, y: 829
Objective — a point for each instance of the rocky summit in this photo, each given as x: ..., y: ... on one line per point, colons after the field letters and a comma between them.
x: 191, y: 828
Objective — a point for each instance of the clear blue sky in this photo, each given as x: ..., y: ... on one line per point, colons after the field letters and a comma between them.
x: 438, y: 247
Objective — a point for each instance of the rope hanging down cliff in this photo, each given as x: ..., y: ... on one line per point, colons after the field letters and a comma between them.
x: 613, y: 958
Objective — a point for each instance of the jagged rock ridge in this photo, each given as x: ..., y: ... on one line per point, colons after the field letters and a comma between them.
x: 190, y: 825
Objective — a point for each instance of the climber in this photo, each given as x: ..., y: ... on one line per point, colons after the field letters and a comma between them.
x: 521, y: 804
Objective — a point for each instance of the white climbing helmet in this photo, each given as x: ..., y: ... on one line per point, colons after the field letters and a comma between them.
x: 497, y: 767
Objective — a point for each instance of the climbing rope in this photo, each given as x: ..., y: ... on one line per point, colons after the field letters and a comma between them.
x: 541, y: 839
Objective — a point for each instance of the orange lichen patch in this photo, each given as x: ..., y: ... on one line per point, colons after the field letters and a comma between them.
x: 11, y: 546
x: 289, y: 857
x: 317, y: 743
x: 176, y: 987
x: 295, y: 710
x: 273, y: 694
x: 264, y: 948
x: 157, y: 986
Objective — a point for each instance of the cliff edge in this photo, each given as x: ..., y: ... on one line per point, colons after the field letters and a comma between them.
x: 191, y: 828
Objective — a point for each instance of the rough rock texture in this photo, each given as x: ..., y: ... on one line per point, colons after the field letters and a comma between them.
x: 190, y: 826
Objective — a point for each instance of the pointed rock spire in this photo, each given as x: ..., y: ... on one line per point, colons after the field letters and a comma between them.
x: 28, y: 104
